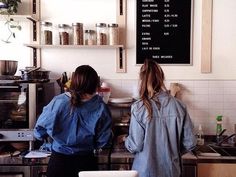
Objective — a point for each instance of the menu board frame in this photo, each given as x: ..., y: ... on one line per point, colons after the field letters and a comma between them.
x: 176, y: 61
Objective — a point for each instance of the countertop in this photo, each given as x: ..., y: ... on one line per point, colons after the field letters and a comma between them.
x: 187, y: 158
x: 126, y: 157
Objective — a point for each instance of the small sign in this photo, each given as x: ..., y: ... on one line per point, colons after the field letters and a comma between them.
x: 164, y: 31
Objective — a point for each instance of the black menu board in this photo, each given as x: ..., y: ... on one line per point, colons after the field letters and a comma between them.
x: 164, y: 31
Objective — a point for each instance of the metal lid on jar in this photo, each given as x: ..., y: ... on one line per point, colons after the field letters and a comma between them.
x: 63, y: 26
x: 77, y: 24
x: 113, y: 25
x: 89, y: 31
x: 101, y: 25
x: 46, y: 23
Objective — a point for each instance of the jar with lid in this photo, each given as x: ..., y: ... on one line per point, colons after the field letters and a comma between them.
x: 64, y: 31
x: 101, y: 33
x: 46, y: 33
x: 89, y: 37
x: 113, y: 34
x: 77, y: 33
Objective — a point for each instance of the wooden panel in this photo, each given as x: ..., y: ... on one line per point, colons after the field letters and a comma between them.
x: 189, y: 171
x: 206, y: 40
x: 216, y: 170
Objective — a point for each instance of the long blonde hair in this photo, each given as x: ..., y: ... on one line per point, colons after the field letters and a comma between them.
x: 151, y: 83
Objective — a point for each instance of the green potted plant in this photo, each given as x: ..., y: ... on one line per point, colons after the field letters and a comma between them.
x: 8, y: 8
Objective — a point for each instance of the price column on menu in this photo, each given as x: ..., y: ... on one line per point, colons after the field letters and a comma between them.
x: 163, y: 31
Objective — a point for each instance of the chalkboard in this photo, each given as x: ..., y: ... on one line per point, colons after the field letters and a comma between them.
x: 163, y: 31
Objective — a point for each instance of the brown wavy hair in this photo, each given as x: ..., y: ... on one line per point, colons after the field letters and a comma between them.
x: 151, y: 83
x: 85, y: 80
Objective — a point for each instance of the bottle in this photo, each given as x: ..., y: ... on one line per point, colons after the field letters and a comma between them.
x: 104, y: 91
x: 218, y: 127
x: 200, y: 136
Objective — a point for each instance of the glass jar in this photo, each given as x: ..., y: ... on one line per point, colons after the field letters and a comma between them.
x: 101, y: 33
x: 77, y: 33
x: 113, y: 34
x: 89, y: 37
x: 64, y: 31
x: 46, y: 33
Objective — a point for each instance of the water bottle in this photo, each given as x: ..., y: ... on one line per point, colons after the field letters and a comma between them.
x: 218, y: 127
x: 200, y: 136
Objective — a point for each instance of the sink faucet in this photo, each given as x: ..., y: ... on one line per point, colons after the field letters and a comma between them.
x: 225, y: 139
x: 219, y: 136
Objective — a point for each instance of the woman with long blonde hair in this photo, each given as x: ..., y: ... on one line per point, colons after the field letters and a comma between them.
x: 160, y: 128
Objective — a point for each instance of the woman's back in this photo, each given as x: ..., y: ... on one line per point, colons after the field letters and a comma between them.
x: 164, y: 138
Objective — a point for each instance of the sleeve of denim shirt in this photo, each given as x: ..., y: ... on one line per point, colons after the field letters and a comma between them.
x: 134, y: 142
x: 188, y: 136
x: 44, y: 124
x: 103, y: 129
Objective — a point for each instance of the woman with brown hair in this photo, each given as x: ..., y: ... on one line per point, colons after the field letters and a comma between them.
x: 160, y: 129
x: 78, y: 122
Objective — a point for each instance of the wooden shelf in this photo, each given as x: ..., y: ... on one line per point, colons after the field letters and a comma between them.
x: 121, y: 15
x: 38, y: 46
x: 19, y: 17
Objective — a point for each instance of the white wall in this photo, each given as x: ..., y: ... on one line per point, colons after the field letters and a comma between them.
x: 223, y: 39
x: 90, y: 12
x: 206, y: 95
x: 205, y: 99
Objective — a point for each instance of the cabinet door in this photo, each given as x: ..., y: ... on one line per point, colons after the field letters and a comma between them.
x: 216, y: 170
x: 189, y: 171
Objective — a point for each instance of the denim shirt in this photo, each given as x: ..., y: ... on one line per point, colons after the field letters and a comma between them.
x: 75, y: 131
x: 159, y: 143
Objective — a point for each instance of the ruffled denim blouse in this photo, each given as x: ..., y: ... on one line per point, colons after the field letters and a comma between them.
x: 77, y: 131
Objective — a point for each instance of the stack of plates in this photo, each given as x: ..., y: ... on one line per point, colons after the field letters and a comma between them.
x: 121, y: 100
x: 209, y: 154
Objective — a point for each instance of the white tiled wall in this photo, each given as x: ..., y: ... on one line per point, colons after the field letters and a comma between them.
x: 205, y: 99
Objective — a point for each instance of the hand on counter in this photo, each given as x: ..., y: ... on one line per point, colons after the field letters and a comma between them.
x: 121, y: 138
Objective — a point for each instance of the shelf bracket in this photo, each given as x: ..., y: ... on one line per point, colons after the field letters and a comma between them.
x: 120, y: 60
x: 121, y: 7
x: 35, y: 57
x: 35, y: 31
x: 121, y: 64
x: 34, y: 26
x: 35, y: 8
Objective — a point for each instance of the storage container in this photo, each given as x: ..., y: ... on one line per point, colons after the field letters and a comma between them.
x: 101, y: 34
x: 89, y: 37
x: 64, y: 31
x: 46, y: 33
x: 77, y: 33
x: 113, y: 34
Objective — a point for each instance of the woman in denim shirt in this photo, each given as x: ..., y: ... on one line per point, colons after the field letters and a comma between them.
x: 160, y: 128
x: 78, y: 122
